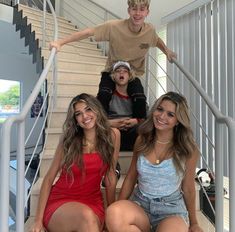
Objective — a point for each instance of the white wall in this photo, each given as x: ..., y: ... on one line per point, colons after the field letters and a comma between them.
x: 158, y: 8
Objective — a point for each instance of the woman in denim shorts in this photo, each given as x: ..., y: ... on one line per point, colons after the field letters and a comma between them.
x: 161, y: 174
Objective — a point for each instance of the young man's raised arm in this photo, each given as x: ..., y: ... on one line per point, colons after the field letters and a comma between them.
x: 79, y: 35
x: 169, y: 54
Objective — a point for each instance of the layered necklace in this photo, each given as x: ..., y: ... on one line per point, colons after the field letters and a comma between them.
x: 90, y: 146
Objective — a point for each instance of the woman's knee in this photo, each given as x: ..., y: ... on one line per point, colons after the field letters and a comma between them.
x: 114, y: 214
x: 89, y: 216
x: 114, y: 210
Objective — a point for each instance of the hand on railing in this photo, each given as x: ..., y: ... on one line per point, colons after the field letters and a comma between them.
x: 55, y: 44
x: 170, y: 55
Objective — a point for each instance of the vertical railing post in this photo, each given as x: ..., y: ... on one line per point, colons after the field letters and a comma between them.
x: 231, y: 179
x: 20, y: 178
x: 44, y: 24
x: 105, y: 43
x: 219, y: 189
x: 54, y: 76
x: 147, y: 77
x: 5, y: 175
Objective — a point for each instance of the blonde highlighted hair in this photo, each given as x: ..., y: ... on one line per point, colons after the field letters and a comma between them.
x: 132, y: 3
x: 183, y: 145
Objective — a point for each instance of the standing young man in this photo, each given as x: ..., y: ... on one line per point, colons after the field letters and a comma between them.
x: 129, y: 40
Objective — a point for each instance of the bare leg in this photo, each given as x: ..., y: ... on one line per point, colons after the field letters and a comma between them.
x: 126, y: 216
x: 74, y: 217
x: 172, y: 224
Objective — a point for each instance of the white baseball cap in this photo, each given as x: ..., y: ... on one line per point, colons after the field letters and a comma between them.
x: 121, y: 64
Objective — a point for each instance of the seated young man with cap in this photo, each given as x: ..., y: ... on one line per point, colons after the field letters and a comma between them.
x: 120, y: 110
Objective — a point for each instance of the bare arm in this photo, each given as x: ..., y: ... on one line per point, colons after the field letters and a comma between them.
x: 188, y: 187
x: 169, y: 54
x: 130, y: 180
x: 79, y: 35
x: 110, y: 178
x: 45, y: 189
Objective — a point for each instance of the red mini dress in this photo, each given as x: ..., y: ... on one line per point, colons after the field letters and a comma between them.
x: 83, y: 188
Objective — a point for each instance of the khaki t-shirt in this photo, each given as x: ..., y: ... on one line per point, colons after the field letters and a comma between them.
x: 126, y: 45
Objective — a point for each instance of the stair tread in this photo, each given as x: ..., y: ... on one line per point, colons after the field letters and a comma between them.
x: 82, y: 54
x: 78, y: 71
x: 28, y: 223
x: 54, y: 130
x: 61, y: 29
x: 51, y: 22
x: 204, y: 223
x: 70, y: 96
x: 80, y: 62
x: 72, y: 43
x: 61, y: 82
x: 39, y: 11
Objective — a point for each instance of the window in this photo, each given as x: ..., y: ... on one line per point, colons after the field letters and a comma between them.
x: 161, y: 71
x: 9, y: 98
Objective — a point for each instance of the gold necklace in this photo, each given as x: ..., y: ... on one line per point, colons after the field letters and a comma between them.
x: 90, y: 146
x: 158, y: 160
x: 162, y: 142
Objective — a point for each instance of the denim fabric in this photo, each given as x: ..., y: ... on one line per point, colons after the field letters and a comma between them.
x: 158, y: 209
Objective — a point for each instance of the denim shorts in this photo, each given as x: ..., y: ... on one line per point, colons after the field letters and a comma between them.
x: 158, y: 209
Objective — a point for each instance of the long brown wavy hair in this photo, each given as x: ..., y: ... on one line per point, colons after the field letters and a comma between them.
x: 73, y: 135
x: 183, y: 144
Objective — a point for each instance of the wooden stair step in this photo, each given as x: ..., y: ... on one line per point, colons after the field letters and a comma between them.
x: 76, y: 76
x: 38, y: 12
x: 50, y: 23
x: 76, y: 47
x: 49, y: 28
x: 79, y: 65
x: 77, y: 56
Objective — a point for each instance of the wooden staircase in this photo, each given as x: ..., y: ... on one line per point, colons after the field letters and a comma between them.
x: 79, y: 67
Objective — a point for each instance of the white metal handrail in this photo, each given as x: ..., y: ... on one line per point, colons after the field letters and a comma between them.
x: 219, y: 190
x: 5, y: 148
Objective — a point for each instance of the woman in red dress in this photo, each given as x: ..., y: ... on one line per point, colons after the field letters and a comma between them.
x: 87, y: 151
